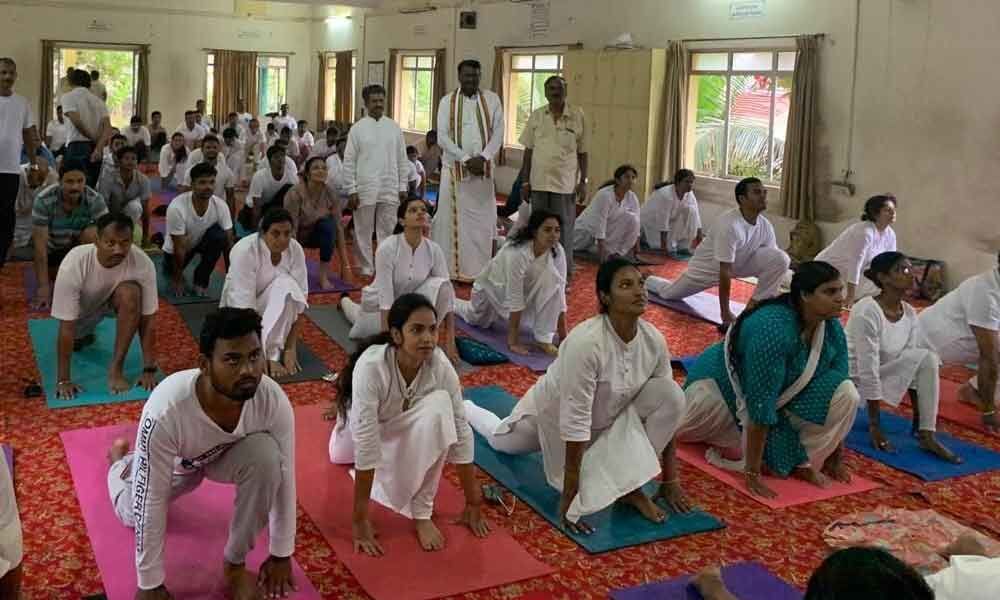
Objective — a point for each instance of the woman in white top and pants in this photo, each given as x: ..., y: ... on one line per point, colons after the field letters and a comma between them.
x: 853, y: 250
x: 605, y: 413
x: 670, y: 219
x: 524, y: 284
x: 888, y: 355
x: 400, y: 418
x: 610, y: 223
x: 405, y: 262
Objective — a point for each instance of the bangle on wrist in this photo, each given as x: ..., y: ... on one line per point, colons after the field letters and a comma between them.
x: 64, y: 382
x: 749, y: 473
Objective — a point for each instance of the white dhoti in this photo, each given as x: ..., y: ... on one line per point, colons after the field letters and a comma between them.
x: 11, y: 544
x: 768, y: 265
x: 380, y: 219
x: 415, y: 446
x: 279, y: 305
x: 366, y: 318
x: 620, y: 239
x: 465, y: 223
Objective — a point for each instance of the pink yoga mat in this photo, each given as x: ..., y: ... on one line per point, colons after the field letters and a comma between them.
x: 198, y: 525
x: 791, y: 492
x: 958, y: 412
x: 405, y: 572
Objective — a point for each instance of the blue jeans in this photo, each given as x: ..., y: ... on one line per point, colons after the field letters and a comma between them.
x: 211, y: 247
x: 80, y: 152
x: 323, y: 235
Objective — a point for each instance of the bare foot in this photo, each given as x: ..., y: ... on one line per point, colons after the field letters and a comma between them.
x: 275, y: 369
x: 879, y: 440
x: 428, y: 534
x: 812, y: 476
x: 642, y: 503
x: 709, y: 584
x: 118, y: 449
x: 929, y: 443
x: 550, y: 349
x: 965, y: 545
x: 240, y: 583
x: 200, y: 291
x: 324, y: 282
x: 291, y: 362
x: 968, y: 395
x: 117, y: 384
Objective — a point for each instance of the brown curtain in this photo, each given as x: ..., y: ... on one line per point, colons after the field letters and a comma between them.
x: 46, y: 95
x: 440, y: 82
x: 235, y: 78
x: 321, y: 98
x: 142, y: 85
x: 500, y: 69
x: 798, y: 169
x: 344, y: 94
x: 674, y: 109
x: 390, y: 83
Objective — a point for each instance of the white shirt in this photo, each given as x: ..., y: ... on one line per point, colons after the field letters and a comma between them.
x: 377, y: 397
x: 90, y: 109
x: 134, y: 137
x: 334, y: 174
x: 661, y: 207
x: 224, y: 178
x: 26, y: 195
x: 733, y: 240
x: 83, y: 285
x: 235, y: 157
x: 853, y: 250
x: 511, y: 280
x: 168, y: 161
x: 15, y: 117
x: 399, y: 269
x: 285, y: 121
x: 265, y: 186
x: 417, y: 172
x: 98, y: 89
x: 292, y: 150
x: 967, y: 578
x: 948, y: 322
x: 473, y: 143
x: 257, y: 141
x: 58, y: 132
x: 191, y: 136
x: 11, y: 544
x: 375, y: 163
x: 184, y: 221
x: 307, y: 139
x: 874, y: 341
x: 251, y: 271
x: 175, y: 435
x: 606, y: 215
x: 322, y: 149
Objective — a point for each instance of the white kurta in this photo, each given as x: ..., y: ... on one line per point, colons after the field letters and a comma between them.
x: 518, y: 281
x: 404, y: 432
x: 665, y: 212
x: 853, y: 250
x: 465, y: 221
x: 278, y: 292
x: 375, y: 163
x: 11, y: 545
x: 605, y: 218
x: 967, y: 578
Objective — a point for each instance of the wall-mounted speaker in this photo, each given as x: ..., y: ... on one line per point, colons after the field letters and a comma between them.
x: 467, y: 19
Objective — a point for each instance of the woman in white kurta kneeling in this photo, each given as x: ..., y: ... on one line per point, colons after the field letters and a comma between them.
x: 610, y: 223
x: 605, y: 413
x: 524, y: 284
x: 890, y: 356
x: 670, y: 219
x: 400, y: 418
x: 853, y: 250
x: 267, y: 273
x: 405, y: 262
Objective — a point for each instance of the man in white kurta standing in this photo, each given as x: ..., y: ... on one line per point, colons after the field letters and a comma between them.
x: 374, y: 175
x: 470, y: 129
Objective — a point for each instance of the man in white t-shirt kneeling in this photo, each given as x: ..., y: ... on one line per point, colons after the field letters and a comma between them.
x: 198, y: 223
x: 110, y: 278
x: 740, y: 243
x: 266, y: 185
x: 225, y: 181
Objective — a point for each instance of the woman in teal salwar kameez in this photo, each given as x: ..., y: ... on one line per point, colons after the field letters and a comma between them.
x: 778, y: 387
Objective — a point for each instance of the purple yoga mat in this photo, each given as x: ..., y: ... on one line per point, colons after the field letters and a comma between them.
x: 197, y: 527
x: 8, y: 454
x: 337, y: 285
x: 702, y: 306
x: 746, y: 581
x: 31, y: 288
x: 496, y: 338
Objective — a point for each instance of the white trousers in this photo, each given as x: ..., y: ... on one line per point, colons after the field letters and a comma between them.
x: 11, y: 544
x: 928, y: 388
x: 709, y: 421
x: 253, y: 464
x: 379, y: 219
x: 279, y: 305
x: 366, y: 318
x: 620, y: 239
x: 768, y: 265
x: 482, y: 312
x: 962, y: 353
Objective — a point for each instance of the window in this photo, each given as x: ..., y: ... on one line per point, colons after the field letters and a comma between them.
x: 330, y: 81
x: 272, y: 83
x: 209, y: 79
x: 119, y: 69
x: 526, y: 88
x: 414, y: 105
x: 738, y: 112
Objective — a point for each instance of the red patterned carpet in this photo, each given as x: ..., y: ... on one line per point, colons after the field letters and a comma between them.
x: 59, y: 562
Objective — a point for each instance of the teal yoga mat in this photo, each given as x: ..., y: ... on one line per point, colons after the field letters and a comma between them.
x: 89, y: 367
x: 615, y: 527
x: 165, y: 289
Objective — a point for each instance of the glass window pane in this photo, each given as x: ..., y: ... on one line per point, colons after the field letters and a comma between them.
x: 407, y: 83
x: 521, y: 92
x: 424, y: 91
x: 749, y: 125
x: 425, y: 62
x: 709, y: 118
x: 786, y: 61
x: 409, y: 62
x: 522, y: 61
x: 547, y: 61
x: 753, y: 61
x: 782, y: 101
x: 710, y: 61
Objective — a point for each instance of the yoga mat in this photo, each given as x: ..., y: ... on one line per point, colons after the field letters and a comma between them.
x: 615, y: 527
x: 496, y: 337
x: 684, y: 362
x: 337, y: 285
x: 702, y: 306
x: 745, y: 580
x: 406, y: 572
x: 215, y: 283
x: 910, y: 458
x: 791, y: 492
x: 8, y: 455
x: 197, y: 526
x: 958, y: 412
x: 312, y: 367
x: 88, y: 368
x: 31, y: 289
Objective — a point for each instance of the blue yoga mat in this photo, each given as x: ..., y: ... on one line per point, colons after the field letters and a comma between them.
x: 684, y: 362
x: 88, y: 368
x: 615, y: 527
x: 910, y: 458
x: 164, y: 287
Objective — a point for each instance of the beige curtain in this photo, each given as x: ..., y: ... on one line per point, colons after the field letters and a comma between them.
x: 142, y: 86
x: 500, y: 69
x: 344, y: 94
x: 390, y: 83
x: 235, y: 78
x: 440, y: 82
x: 321, y: 98
x: 674, y: 109
x: 46, y: 95
x: 798, y: 177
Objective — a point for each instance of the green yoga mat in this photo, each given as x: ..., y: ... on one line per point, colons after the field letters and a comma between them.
x: 615, y: 527
x: 165, y: 288
x: 312, y: 367
x: 88, y: 368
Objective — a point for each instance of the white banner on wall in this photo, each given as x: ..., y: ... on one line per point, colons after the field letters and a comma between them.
x: 540, y: 22
x: 747, y: 9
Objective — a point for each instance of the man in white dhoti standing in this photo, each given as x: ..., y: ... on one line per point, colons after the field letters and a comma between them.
x: 374, y: 174
x: 470, y: 129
